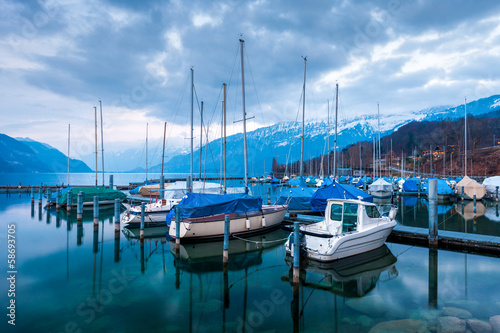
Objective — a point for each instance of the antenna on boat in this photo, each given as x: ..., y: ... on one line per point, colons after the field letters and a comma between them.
x: 102, y: 143
x: 303, y: 120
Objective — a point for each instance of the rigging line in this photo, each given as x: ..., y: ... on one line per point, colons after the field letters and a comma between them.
x: 257, y: 270
x: 411, y: 247
x: 307, y: 299
x: 254, y: 86
x: 261, y: 242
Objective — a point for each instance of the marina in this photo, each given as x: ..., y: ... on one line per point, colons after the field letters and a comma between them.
x: 99, y: 272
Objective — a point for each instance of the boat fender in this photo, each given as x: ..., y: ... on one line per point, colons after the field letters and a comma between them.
x: 247, y: 221
x: 263, y: 221
x: 392, y: 213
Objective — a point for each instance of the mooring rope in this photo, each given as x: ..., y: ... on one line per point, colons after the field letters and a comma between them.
x: 259, y: 242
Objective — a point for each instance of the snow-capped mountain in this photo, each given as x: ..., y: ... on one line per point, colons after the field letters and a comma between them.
x: 282, y: 140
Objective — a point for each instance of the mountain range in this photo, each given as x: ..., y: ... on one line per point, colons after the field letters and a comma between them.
x: 282, y: 140
x: 23, y: 155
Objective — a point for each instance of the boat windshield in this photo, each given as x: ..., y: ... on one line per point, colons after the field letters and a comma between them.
x: 336, y: 212
x: 349, y: 222
x: 372, y: 212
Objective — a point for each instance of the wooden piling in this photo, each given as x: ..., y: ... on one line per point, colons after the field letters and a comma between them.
x: 111, y: 181
x: 40, y: 194
x: 79, y: 207
x: 433, y: 216
x: 32, y: 195
x: 496, y: 196
x: 296, y: 253
x: 58, y: 194
x: 177, y: 228
x: 96, y: 211
x: 69, y: 200
x: 143, y: 212
x: 474, y: 202
x: 117, y: 215
x: 49, y: 197
x: 225, y: 250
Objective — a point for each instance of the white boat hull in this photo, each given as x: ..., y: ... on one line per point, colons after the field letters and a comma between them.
x: 347, y: 245
x: 213, y: 227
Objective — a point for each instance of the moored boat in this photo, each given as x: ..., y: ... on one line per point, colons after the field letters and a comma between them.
x: 350, y: 227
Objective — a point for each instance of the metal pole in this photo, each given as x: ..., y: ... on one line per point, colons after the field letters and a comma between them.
x: 111, y: 182
x: 335, y: 139
x: 244, y: 117
x: 496, y: 195
x: 96, y: 211
x: 58, y: 194
x: 201, y: 135
x: 143, y: 212
x: 40, y: 194
x: 192, y: 129
x: 102, y: 143
x: 117, y: 215
x: 433, y: 216
x: 474, y: 202
x: 69, y: 133
x: 95, y: 118
x: 225, y: 144
x: 465, y: 135
x: 79, y: 206
x: 162, y: 187
x: 177, y: 228
x: 49, y: 197
x: 303, y: 120
x: 225, y: 251
x: 32, y: 195
x: 296, y: 253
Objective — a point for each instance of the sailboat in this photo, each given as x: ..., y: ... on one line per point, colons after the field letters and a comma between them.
x: 202, y: 215
x: 106, y: 195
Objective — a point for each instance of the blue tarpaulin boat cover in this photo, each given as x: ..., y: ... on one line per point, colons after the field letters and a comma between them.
x: 410, y: 186
x: 442, y: 188
x: 327, y: 181
x: 294, y: 182
x: 415, y: 179
x: 410, y: 201
x: 202, y: 204
x: 298, y: 198
x: 336, y: 191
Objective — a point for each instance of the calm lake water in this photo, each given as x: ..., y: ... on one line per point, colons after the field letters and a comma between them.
x: 72, y: 278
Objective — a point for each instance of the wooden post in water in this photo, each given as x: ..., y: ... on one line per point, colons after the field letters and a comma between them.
x: 496, y: 194
x: 225, y: 250
x: 40, y: 194
x: 296, y: 253
x: 143, y: 212
x: 117, y: 215
x: 268, y: 195
x: 96, y: 211
x: 474, y: 201
x: 58, y: 194
x: 79, y: 207
x: 32, y: 195
x: 433, y: 216
x: 69, y: 200
x: 49, y: 197
x: 177, y: 229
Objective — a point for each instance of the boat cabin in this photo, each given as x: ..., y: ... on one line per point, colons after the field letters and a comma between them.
x: 346, y: 216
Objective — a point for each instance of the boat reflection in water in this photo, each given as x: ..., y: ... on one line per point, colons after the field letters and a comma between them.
x: 207, y: 256
x: 350, y: 277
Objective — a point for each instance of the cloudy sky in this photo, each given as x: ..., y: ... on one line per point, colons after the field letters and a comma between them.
x: 58, y: 58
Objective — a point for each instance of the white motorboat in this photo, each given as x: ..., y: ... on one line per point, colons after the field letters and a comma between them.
x: 380, y: 189
x: 154, y: 213
x: 350, y: 227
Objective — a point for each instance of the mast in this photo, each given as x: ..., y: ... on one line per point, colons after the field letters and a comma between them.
x: 465, y: 134
x: 303, y: 120
x: 69, y: 135
x: 378, y: 125
x: 328, y: 141
x: 192, y: 129
x: 147, y: 130
x: 163, y: 152
x: 224, y: 127
x: 221, y: 141
x: 244, y: 118
x: 95, y: 121
x: 102, y: 144
x: 335, y: 140
x: 201, y: 135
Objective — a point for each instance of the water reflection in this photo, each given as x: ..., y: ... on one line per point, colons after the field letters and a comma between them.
x: 349, y: 277
x: 457, y: 216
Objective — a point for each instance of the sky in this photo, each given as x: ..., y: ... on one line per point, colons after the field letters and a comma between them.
x: 59, y: 58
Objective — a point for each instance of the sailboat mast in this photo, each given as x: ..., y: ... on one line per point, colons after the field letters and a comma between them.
x: 95, y: 121
x: 335, y: 139
x: 102, y: 143
x: 69, y: 136
x: 192, y: 130
x: 378, y: 126
x: 201, y: 135
x: 147, y: 130
x: 244, y: 117
x: 327, y: 141
x: 224, y: 127
x: 465, y: 134
x: 303, y: 120
x: 163, y: 152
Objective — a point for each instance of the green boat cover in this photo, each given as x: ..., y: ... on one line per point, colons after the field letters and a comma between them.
x: 103, y: 193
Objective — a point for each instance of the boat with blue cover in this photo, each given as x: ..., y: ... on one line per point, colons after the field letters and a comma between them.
x: 202, y: 216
